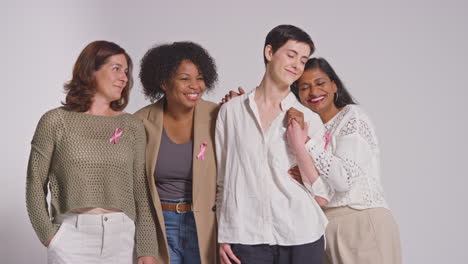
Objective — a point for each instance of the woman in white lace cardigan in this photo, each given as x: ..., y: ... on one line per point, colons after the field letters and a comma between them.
x: 361, y: 228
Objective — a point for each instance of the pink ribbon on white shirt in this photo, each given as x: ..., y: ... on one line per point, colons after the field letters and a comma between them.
x: 201, y: 154
x: 117, y: 133
x: 327, y: 140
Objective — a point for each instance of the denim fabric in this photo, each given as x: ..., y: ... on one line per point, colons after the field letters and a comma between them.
x: 181, y: 235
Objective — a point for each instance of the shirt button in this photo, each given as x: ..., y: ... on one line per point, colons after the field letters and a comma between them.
x: 105, y: 218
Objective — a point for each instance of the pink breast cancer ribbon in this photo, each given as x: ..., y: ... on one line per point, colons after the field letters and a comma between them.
x: 201, y: 154
x: 327, y: 140
x: 117, y: 133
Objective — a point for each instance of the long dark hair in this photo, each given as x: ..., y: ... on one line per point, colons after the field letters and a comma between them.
x: 342, y: 96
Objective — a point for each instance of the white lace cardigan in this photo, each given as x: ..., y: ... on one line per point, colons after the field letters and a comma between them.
x: 349, y: 162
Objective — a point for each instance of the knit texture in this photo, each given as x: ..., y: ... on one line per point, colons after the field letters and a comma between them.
x: 71, y: 154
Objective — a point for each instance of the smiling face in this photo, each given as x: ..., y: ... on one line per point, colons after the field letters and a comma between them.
x: 287, y: 63
x: 111, y: 78
x: 317, y: 92
x: 186, y: 87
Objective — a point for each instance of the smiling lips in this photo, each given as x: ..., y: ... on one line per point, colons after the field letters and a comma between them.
x: 291, y: 72
x: 192, y: 96
x: 316, y: 99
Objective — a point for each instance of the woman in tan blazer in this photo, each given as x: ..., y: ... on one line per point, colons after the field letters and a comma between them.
x: 180, y: 158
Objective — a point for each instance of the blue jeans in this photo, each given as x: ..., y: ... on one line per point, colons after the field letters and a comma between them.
x: 181, y: 235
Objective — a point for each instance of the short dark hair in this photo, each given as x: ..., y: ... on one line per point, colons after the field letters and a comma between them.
x: 342, y: 96
x: 82, y: 87
x: 279, y: 35
x: 160, y: 63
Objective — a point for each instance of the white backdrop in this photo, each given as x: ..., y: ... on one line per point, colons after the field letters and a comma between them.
x: 404, y: 61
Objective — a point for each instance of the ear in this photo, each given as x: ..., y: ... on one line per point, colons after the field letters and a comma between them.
x: 268, y: 52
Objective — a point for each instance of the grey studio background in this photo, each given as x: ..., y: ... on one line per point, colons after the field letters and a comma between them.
x: 404, y: 61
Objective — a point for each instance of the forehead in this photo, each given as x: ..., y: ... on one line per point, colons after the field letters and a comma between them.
x: 118, y: 59
x: 303, y: 49
x: 313, y: 74
x: 187, y: 66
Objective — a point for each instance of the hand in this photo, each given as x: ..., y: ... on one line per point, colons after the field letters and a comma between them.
x: 321, y: 201
x: 231, y: 95
x: 296, y: 136
x: 226, y: 254
x: 296, y: 174
x: 294, y: 114
x: 49, y: 240
x: 147, y: 260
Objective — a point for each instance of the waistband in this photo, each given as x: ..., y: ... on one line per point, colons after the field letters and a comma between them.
x: 92, y: 219
x: 331, y: 212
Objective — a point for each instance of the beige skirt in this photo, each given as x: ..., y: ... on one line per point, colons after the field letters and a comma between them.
x: 368, y: 236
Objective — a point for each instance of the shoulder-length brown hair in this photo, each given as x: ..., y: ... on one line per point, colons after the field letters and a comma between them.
x: 82, y: 87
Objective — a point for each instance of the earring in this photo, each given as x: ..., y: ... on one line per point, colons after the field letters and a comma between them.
x: 336, y: 96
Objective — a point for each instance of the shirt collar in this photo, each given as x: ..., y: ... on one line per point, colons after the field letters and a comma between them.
x: 286, y: 103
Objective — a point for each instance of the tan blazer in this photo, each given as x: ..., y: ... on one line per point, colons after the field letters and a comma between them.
x: 204, y: 175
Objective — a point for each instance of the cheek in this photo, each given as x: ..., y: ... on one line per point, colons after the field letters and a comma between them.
x: 303, y: 96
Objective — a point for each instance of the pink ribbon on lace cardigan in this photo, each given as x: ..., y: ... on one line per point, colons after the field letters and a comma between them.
x: 201, y: 154
x: 117, y: 133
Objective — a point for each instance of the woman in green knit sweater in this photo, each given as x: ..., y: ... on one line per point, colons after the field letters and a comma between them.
x: 91, y: 156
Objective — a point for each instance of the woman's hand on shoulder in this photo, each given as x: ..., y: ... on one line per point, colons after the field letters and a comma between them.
x: 231, y: 95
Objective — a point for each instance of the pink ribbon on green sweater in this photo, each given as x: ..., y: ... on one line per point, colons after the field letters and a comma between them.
x: 117, y: 133
x: 201, y: 154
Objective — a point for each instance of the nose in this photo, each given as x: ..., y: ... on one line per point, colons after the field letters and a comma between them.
x: 193, y: 84
x: 124, y: 77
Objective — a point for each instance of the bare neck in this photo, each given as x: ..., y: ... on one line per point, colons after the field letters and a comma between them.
x: 270, y: 92
x: 178, y: 113
x: 102, y: 108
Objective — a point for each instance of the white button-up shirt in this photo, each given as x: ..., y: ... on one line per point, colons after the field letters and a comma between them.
x: 257, y: 201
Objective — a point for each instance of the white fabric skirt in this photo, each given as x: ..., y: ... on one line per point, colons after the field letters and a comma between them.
x: 86, y: 238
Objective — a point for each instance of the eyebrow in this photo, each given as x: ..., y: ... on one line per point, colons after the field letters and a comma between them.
x: 295, y: 52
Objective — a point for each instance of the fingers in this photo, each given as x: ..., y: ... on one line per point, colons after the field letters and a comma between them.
x: 297, y: 115
x: 224, y: 258
x: 227, y: 255
x: 241, y: 91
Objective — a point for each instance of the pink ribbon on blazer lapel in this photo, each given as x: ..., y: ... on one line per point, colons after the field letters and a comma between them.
x: 117, y: 133
x: 201, y: 154
x: 327, y: 140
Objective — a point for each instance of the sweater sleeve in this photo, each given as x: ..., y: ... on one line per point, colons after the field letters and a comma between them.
x: 145, y: 222
x: 42, y: 150
x: 348, y: 154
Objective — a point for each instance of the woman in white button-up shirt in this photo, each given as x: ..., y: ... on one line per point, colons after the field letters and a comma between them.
x: 361, y: 228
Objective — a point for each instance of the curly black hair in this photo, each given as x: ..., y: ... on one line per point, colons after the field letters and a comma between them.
x: 160, y: 63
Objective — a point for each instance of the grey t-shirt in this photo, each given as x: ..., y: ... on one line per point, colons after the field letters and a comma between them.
x: 173, y: 173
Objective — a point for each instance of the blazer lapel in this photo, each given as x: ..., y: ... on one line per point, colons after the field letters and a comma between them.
x: 154, y: 126
x: 199, y: 136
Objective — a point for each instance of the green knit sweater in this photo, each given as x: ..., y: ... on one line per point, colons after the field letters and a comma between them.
x: 71, y: 153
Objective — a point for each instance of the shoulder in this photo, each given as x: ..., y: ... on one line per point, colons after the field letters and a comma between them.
x: 309, y: 115
x: 208, y: 107
x: 144, y: 112
x: 53, y: 117
x: 234, y: 105
x: 356, y: 112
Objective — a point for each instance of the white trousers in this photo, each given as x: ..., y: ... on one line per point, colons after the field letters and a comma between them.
x: 86, y: 238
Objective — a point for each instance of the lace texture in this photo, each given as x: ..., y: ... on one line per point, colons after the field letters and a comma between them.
x: 351, y: 165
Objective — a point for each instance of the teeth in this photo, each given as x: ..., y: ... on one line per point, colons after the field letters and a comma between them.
x: 192, y: 95
x: 317, y: 99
